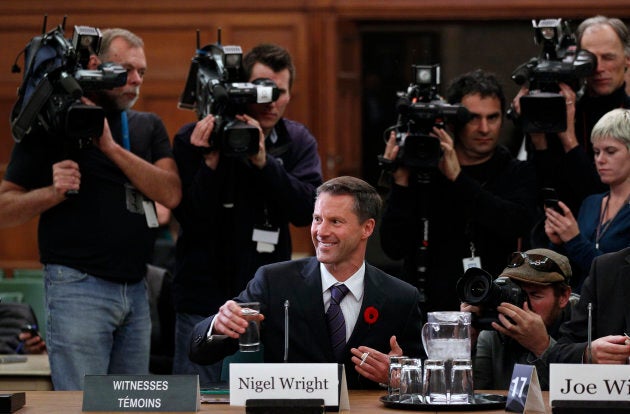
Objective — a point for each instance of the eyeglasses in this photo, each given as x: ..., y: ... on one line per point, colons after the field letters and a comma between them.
x: 536, y: 261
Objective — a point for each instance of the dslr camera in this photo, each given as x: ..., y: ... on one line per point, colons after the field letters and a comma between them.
x: 476, y: 287
x: 419, y: 109
x: 53, y: 81
x: 543, y: 109
x: 216, y: 85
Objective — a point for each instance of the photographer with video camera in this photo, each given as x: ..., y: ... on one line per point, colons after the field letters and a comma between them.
x: 94, y: 195
x: 474, y: 208
x: 518, y: 315
x: 238, y: 202
x: 563, y: 156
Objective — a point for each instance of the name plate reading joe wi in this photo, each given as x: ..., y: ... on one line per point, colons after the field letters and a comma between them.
x: 287, y: 381
x: 173, y: 393
x: 589, y: 382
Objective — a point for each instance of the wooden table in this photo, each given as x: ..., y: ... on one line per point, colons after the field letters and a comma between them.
x: 69, y: 402
x: 34, y: 374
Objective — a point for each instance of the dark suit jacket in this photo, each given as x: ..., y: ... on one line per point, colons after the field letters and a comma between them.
x: 299, y: 281
x: 607, y: 287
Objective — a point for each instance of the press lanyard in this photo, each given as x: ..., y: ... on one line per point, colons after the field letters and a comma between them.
x: 599, y: 233
x: 124, y: 127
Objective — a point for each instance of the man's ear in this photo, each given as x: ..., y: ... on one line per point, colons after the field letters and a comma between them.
x: 93, y: 62
x: 564, y: 298
x: 368, y: 228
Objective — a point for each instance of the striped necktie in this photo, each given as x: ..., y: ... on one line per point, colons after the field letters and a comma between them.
x: 336, y: 322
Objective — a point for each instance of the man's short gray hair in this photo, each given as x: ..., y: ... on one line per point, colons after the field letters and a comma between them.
x: 616, y: 24
x: 108, y: 35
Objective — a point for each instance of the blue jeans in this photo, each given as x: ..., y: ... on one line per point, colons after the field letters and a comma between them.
x: 208, y: 374
x: 94, y: 326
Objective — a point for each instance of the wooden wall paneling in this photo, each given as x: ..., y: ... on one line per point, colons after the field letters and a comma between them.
x: 349, y: 99
x: 323, y: 90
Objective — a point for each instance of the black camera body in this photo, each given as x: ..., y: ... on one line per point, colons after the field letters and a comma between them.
x: 420, y: 109
x: 216, y: 85
x: 543, y: 109
x: 55, y: 79
x: 476, y: 287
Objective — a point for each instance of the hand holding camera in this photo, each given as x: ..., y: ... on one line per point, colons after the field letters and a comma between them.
x: 523, y: 325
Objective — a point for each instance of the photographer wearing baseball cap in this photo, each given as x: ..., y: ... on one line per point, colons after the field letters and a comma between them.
x: 523, y: 332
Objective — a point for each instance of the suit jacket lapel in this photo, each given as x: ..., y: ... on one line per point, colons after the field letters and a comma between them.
x: 373, y: 295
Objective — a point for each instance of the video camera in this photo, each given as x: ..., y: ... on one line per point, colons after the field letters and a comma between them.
x: 544, y: 109
x: 216, y: 85
x: 55, y: 78
x: 420, y: 108
x: 476, y: 287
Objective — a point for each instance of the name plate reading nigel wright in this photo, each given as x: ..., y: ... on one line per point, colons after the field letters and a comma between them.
x: 174, y: 393
x: 589, y: 382
x: 284, y: 381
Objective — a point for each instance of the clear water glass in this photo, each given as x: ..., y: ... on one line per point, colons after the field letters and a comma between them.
x: 411, y: 381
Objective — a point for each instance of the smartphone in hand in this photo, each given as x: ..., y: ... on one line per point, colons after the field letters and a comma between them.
x: 32, y: 329
x: 550, y: 199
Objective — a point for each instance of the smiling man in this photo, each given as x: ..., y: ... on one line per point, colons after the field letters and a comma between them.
x: 381, y: 314
x: 474, y: 208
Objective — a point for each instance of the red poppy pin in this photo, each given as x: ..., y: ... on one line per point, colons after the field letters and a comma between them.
x: 370, y: 315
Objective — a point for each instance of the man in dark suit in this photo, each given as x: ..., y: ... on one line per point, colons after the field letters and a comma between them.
x: 607, y: 288
x: 380, y: 311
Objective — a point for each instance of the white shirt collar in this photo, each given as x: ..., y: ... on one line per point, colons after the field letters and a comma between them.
x: 354, y: 282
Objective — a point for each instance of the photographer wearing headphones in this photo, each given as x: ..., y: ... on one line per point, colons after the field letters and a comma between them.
x: 236, y: 210
x: 524, y: 332
x: 473, y: 210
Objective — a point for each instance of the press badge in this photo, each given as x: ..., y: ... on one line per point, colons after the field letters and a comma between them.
x: 471, y: 262
x: 137, y: 203
x: 266, y: 238
x: 150, y: 213
x: 134, y: 199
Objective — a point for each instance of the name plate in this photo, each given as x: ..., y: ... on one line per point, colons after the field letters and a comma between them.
x: 288, y: 381
x: 179, y: 393
x: 592, y: 382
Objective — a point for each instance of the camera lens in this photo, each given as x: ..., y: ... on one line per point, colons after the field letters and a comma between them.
x: 478, y: 288
x: 474, y: 287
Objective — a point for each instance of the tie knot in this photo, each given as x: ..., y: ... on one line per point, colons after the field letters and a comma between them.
x: 338, y: 292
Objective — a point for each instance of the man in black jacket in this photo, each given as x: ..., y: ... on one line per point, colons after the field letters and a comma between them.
x: 381, y: 313
x: 606, y: 289
x: 472, y: 211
